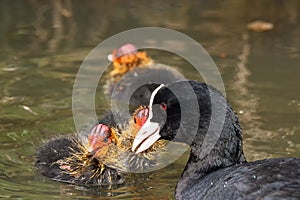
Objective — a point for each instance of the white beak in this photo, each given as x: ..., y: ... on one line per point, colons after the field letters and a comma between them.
x: 110, y: 57
x: 146, y: 137
x: 149, y: 133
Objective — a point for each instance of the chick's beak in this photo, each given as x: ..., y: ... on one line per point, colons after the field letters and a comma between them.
x: 146, y: 137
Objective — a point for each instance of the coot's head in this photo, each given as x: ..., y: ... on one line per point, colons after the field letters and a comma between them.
x: 196, y: 114
x: 126, y: 49
x: 140, y: 116
x: 163, y: 119
x: 99, y: 138
x: 187, y: 111
x: 126, y: 58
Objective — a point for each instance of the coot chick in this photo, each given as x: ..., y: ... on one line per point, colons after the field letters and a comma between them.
x: 132, y: 69
x: 121, y: 156
x: 99, y: 157
x: 126, y: 58
x: 72, y: 160
x: 216, y: 168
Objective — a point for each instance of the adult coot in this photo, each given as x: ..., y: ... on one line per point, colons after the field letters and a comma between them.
x: 216, y: 168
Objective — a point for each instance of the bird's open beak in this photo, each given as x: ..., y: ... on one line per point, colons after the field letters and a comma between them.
x: 149, y: 133
x: 146, y: 137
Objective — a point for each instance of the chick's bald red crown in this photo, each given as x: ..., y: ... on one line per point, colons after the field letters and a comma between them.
x: 101, y: 135
x: 123, y: 50
x: 125, y: 58
x: 140, y: 116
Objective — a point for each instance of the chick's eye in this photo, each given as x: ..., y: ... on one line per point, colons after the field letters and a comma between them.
x: 163, y: 106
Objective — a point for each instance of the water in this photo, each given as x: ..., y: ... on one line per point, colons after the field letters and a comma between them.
x: 38, y: 65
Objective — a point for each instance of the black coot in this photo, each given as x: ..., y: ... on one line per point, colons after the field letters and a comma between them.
x: 217, y: 168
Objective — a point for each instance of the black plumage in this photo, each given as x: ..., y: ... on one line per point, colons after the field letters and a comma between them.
x: 217, y: 168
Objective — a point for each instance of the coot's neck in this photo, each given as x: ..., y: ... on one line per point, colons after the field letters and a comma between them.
x: 212, y: 153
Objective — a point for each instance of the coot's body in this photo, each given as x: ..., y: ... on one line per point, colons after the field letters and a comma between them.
x: 217, y: 168
x: 274, y: 178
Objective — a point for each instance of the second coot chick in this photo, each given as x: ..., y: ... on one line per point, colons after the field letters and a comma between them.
x: 121, y: 156
x: 132, y: 69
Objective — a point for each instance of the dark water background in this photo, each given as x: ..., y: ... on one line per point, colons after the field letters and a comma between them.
x: 44, y: 42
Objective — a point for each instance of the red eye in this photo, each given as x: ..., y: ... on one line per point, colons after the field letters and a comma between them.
x: 163, y: 106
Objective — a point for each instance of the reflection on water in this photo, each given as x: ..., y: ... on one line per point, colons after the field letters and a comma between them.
x: 44, y: 42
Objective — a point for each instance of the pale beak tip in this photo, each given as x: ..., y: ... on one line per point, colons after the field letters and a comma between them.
x: 146, y: 137
x: 110, y: 57
x: 134, y: 145
x: 133, y: 148
x: 138, y: 151
x: 90, y: 149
